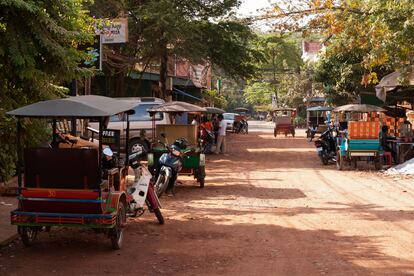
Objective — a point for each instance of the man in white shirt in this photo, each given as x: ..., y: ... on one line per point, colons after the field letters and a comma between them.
x: 221, y: 140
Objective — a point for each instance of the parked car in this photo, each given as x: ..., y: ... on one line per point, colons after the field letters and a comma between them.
x: 229, y: 119
x: 140, y: 123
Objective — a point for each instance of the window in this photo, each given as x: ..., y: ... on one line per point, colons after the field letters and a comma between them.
x: 228, y: 116
x: 117, y: 118
x: 141, y: 113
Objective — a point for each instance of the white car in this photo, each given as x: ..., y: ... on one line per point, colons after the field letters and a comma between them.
x: 229, y: 119
x: 140, y: 123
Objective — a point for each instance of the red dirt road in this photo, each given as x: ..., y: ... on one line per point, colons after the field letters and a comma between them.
x: 269, y: 208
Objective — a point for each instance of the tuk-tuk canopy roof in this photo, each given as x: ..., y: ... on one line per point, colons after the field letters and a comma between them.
x: 284, y: 109
x: 176, y: 107
x: 319, y: 108
x: 241, y: 109
x: 361, y: 108
x: 214, y: 110
x: 89, y: 106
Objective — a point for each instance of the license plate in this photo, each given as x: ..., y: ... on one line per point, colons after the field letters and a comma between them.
x: 319, y: 149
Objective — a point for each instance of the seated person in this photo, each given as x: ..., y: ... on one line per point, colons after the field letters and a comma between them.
x: 384, y: 141
x: 206, y: 124
x: 108, y: 160
x: 109, y: 168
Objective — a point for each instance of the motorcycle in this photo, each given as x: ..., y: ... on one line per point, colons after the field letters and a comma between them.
x: 169, y: 165
x: 206, y: 140
x: 241, y: 127
x: 326, y: 146
x: 141, y: 191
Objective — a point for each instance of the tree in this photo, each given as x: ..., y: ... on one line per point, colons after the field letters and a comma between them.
x: 281, y: 61
x: 200, y: 31
x: 380, y: 31
x: 38, y: 50
x: 213, y: 98
x: 259, y: 93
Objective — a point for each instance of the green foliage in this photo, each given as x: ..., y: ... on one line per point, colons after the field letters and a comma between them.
x: 366, y: 39
x: 279, y: 71
x: 259, y: 93
x: 199, y: 31
x: 213, y: 98
x: 37, y: 50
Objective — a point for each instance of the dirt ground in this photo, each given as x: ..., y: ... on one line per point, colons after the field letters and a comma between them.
x: 269, y: 208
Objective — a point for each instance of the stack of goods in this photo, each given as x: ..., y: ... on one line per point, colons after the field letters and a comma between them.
x: 363, y: 130
x: 394, y: 124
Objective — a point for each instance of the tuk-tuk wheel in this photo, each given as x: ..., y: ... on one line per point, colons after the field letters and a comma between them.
x: 117, y: 233
x: 354, y: 163
x: 378, y: 163
x: 28, y: 234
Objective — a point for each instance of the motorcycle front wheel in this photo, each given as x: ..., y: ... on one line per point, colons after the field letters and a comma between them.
x: 159, y: 216
x: 324, y: 159
x: 161, y: 185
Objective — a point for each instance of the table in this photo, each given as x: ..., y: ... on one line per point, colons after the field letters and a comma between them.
x: 403, y: 150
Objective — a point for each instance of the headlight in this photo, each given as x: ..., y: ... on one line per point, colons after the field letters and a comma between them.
x: 202, y: 159
x: 150, y: 158
x: 176, y: 153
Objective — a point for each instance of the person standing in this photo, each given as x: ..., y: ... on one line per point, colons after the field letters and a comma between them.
x: 221, y: 140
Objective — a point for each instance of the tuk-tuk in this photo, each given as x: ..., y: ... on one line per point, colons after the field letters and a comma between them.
x: 65, y: 186
x: 317, y: 118
x: 284, y: 121
x: 240, y: 120
x: 194, y: 161
x: 360, y: 141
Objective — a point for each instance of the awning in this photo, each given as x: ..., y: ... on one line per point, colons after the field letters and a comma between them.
x: 156, y: 77
x: 359, y: 108
x: 390, y: 82
x: 319, y: 108
x: 214, y: 110
x: 178, y: 91
x: 176, y: 107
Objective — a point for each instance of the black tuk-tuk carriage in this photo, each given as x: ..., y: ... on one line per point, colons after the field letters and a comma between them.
x: 65, y: 186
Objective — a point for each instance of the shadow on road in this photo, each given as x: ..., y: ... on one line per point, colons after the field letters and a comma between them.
x: 199, y: 245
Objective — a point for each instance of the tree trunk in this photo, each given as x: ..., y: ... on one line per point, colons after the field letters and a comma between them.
x: 163, y: 70
x: 120, y: 84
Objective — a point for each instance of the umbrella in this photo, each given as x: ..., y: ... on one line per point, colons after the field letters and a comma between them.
x: 319, y: 108
x: 176, y: 107
x: 391, y: 82
x: 214, y: 110
x: 362, y: 108
x: 241, y: 109
x: 90, y: 106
